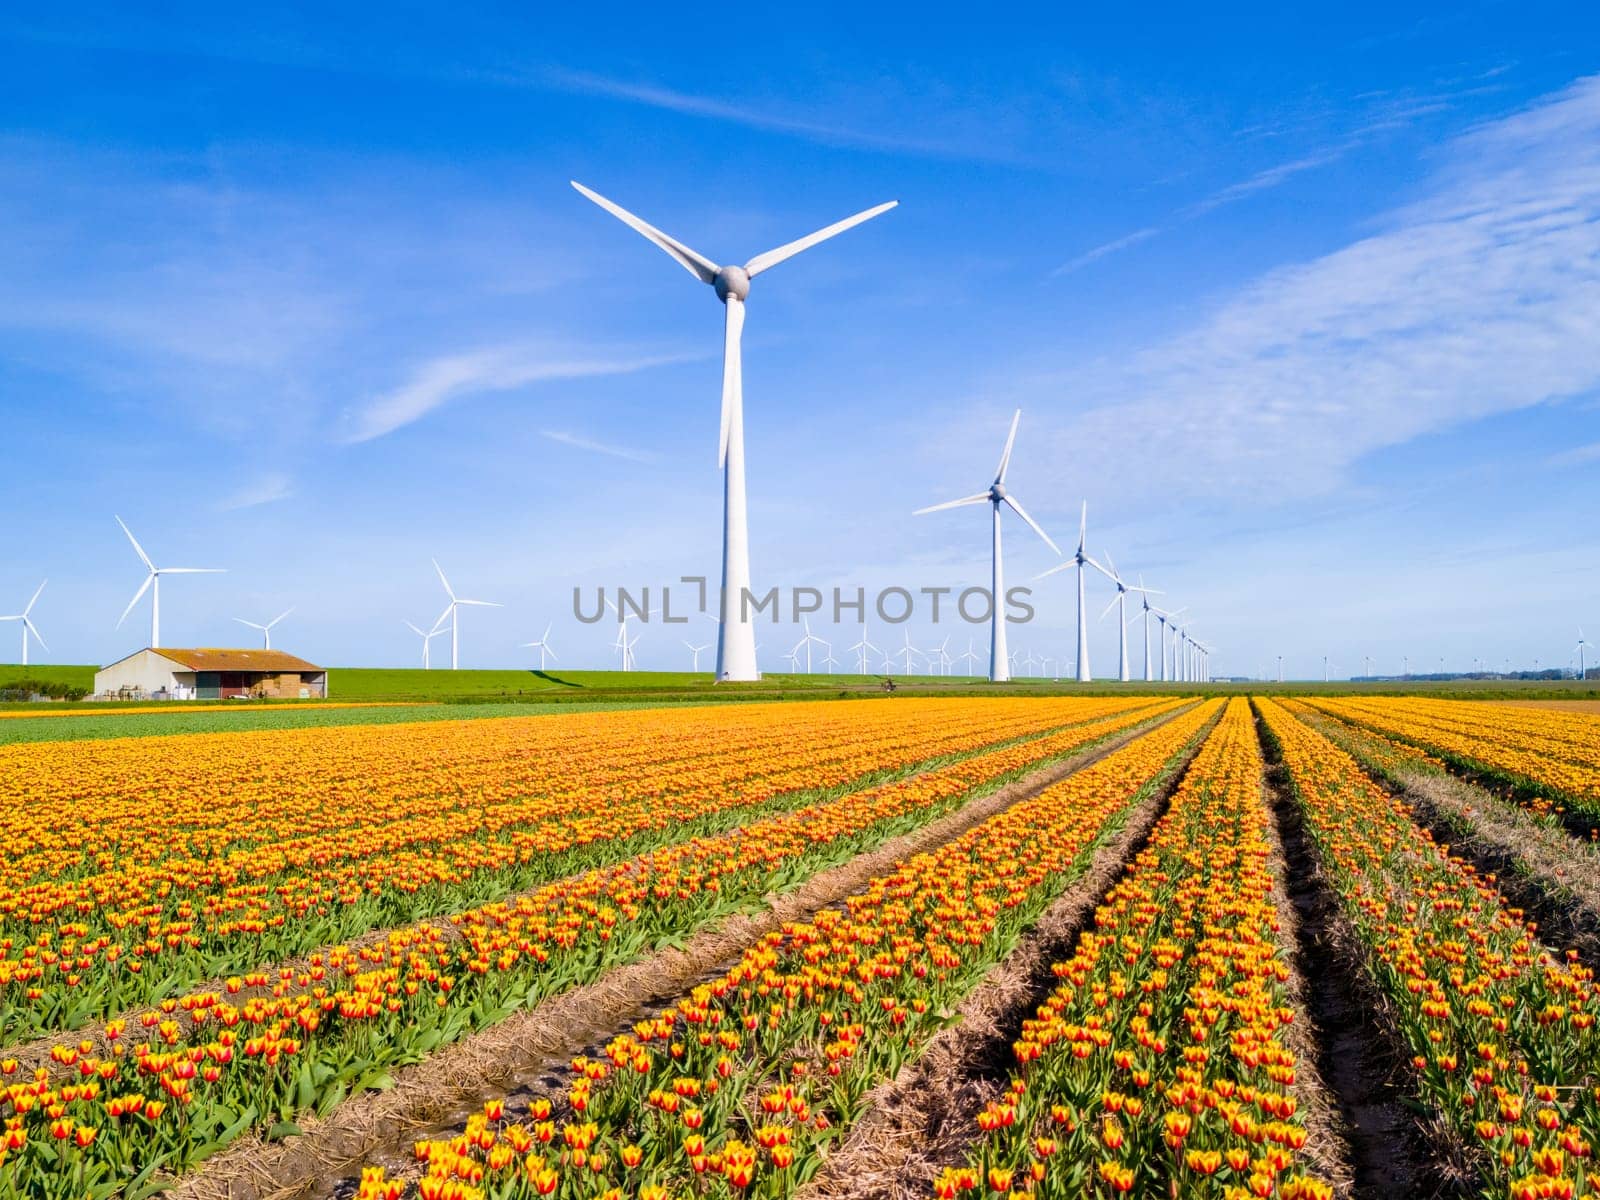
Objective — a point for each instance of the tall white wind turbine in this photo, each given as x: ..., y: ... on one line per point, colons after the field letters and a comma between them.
x: 1583, y: 672
x: 266, y: 630
x: 970, y: 657
x: 809, y: 640
x: 995, y: 496
x: 736, y: 639
x: 28, y: 626
x: 453, y: 611
x: 1080, y: 559
x: 1147, y: 608
x: 152, y: 584
x: 427, y: 639
x: 543, y: 646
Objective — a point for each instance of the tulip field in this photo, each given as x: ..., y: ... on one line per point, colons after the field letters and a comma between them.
x: 216, y: 947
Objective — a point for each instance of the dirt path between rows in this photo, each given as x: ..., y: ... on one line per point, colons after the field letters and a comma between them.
x: 921, y: 1121
x: 460, y: 1075
x: 1358, y: 1050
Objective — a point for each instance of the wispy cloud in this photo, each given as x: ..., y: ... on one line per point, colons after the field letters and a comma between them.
x: 825, y: 133
x: 1479, y: 298
x: 1100, y: 251
x: 274, y: 485
x: 579, y: 442
x: 1577, y: 456
x: 452, y: 377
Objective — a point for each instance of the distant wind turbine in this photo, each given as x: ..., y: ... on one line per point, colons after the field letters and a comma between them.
x: 152, y: 583
x: 266, y: 630
x: 736, y: 639
x: 452, y: 610
x: 27, y: 623
x: 1120, y: 603
x: 995, y: 496
x: 1583, y: 671
x: 908, y: 650
x: 810, y: 640
x: 695, y: 650
x: 1079, y: 559
x: 970, y: 658
x: 862, y: 647
x: 427, y: 639
x: 543, y: 646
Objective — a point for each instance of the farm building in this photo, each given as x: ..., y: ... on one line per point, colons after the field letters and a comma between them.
x: 210, y: 674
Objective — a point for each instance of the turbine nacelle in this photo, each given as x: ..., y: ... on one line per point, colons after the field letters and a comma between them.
x: 732, y: 281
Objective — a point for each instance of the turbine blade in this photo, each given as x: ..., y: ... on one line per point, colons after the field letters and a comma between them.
x: 698, y: 265
x: 1005, y: 455
x: 481, y: 603
x: 552, y: 653
x: 1083, y: 526
x: 1032, y: 524
x: 732, y: 374
x: 1071, y: 562
x: 31, y: 628
x: 1113, y: 567
x: 772, y: 258
x: 193, y: 571
x: 279, y: 617
x: 252, y: 624
x: 1099, y: 568
x: 35, y: 600
x: 443, y: 580
x: 137, y: 596
x: 413, y: 628
x: 978, y: 499
x: 138, y: 549
x: 1107, y: 611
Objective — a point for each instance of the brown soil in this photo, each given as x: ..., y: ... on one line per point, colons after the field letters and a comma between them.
x: 923, y: 1120
x: 461, y: 1075
x: 1358, y: 1050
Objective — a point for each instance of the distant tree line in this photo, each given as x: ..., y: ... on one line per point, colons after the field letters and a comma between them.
x: 27, y: 689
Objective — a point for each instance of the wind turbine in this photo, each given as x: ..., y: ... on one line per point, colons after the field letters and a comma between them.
x: 808, y: 640
x: 943, y: 651
x: 1583, y: 672
x: 1165, y: 618
x: 622, y: 643
x: 152, y: 583
x: 28, y: 625
x: 695, y: 650
x: 736, y: 639
x: 829, y: 660
x: 452, y: 610
x: 862, y: 647
x: 1078, y: 559
x: 1147, y: 608
x: 970, y: 658
x: 794, y: 659
x: 266, y: 630
x: 1120, y: 602
x: 908, y: 650
x: 995, y: 496
x: 427, y: 638
x: 543, y: 646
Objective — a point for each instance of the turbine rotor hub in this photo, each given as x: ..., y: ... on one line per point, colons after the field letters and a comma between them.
x: 731, y: 281
x: 997, y: 491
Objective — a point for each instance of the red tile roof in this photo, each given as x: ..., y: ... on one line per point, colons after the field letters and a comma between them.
x: 213, y: 659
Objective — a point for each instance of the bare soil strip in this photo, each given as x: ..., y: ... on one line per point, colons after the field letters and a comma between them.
x: 922, y: 1121
x: 462, y: 1074
x: 1554, y: 877
x: 1390, y: 1151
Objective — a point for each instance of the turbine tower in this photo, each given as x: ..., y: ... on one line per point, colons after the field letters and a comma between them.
x: 29, y: 627
x: 266, y: 630
x: 1583, y: 672
x: 152, y: 584
x: 862, y: 647
x: 452, y: 610
x: 995, y: 496
x: 1147, y: 608
x: 1079, y: 559
x: 736, y: 638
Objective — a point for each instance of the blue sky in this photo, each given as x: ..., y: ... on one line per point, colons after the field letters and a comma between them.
x: 1304, y: 305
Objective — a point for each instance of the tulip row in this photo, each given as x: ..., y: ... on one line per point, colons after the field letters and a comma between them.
x: 1548, y: 752
x: 1502, y: 1032
x: 92, y: 943
x: 738, y: 1088
x: 1158, y: 1067
x: 205, y: 1068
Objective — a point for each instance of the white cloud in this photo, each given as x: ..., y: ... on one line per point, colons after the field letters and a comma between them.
x: 1480, y: 298
x: 1100, y: 251
x: 274, y: 485
x: 451, y: 377
x: 1577, y: 456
